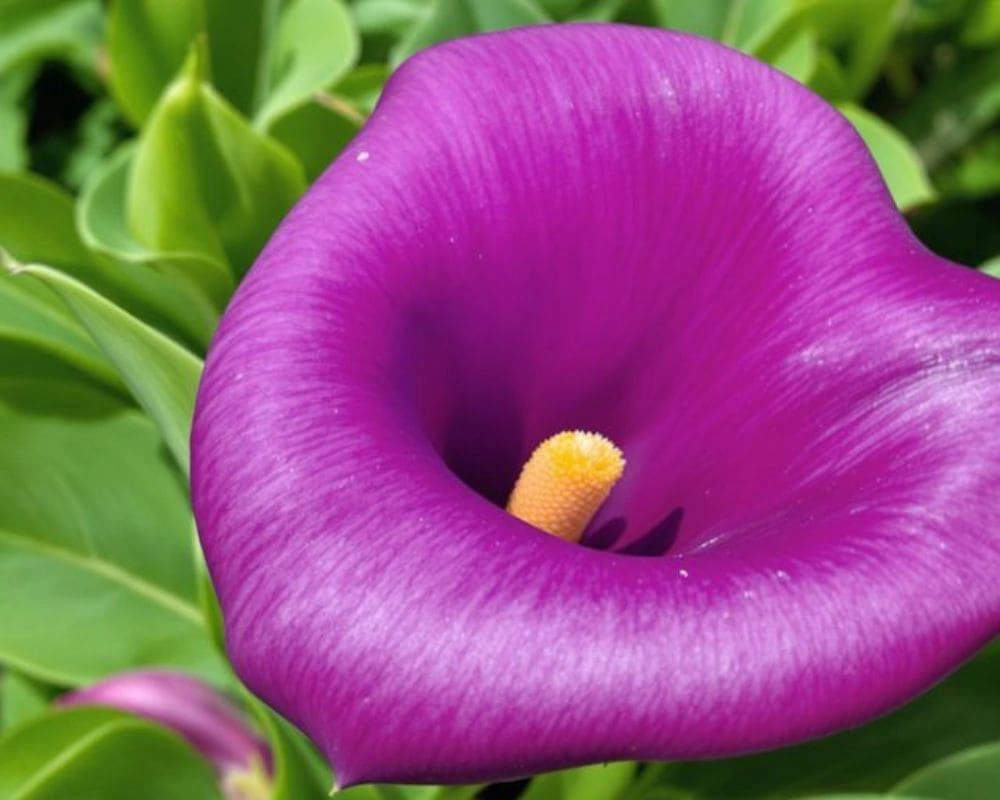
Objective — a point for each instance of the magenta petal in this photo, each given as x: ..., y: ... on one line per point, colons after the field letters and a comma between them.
x: 634, y: 232
x: 192, y: 709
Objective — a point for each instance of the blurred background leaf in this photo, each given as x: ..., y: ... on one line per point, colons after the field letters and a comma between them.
x: 161, y: 375
x: 441, y: 20
x: 598, y: 782
x: 92, y: 550
x: 21, y: 699
x: 146, y: 44
x: 901, y: 166
x: 315, y: 44
x: 300, y: 773
x: 972, y: 774
x: 100, y: 754
x: 203, y: 181
x: 14, y: 85
x: 957, y: 104
x: 182, y: 292
x: 37, y: 29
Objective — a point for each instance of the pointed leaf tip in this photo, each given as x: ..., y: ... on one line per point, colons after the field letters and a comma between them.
x: 197, y: 67
x: 10, y: 264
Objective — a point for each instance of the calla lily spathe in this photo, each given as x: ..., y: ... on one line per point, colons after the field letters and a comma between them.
x: 643, y: 234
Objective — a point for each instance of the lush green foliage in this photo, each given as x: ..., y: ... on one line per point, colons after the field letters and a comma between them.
x: 147, y: 151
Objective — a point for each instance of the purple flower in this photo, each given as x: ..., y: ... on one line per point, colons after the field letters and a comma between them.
x: 197, y: 713
x: 649, y: 236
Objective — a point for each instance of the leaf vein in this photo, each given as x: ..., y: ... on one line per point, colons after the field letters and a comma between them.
x: 112, y: 572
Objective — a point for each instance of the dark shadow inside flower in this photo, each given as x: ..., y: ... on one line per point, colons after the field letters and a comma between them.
x: 490, y: 467
x: 607, y: 535
x: 657, y: 541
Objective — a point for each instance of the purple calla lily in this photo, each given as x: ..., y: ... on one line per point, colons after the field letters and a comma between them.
x: 643, y: 234
x: 197, y: 713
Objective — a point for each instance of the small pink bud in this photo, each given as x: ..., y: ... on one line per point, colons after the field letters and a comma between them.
x: 198, y: 713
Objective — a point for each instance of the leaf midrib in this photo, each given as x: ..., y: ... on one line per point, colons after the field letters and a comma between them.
x: 68, y: 755
x: 112, y: 572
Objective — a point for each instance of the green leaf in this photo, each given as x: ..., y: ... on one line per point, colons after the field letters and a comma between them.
x: 394, y: 792
x: 828, y: 79
x: 178, y: 292
x: 24, y: 360
x: 98, y: 136
x: 954, y: 108
x: 900, y: 165
x: 362, y: 86
x: 560, y: 9
x: 450, y: 19
x: 959, y: 713
x: 797, y: 55
x: 36, y: 219
x: 299, y: 774
x: 36, y: 224
x: 14, y: 86
x: 393, y: 17
x: 239, y: 33
x: 317, y: 131
x: 31, y: 315
x: 599, y: 11
x: 100, y: 754
x: 749, y: 25
x: 34, y: 30
x: 266, y: 55
x: 314, y: 46
x: 597, y: 782
x: 162, y: 375
x: 21, y: 699
x: 975, y: 173
x: 857, y: 797
x: 147, y: 42
x: 369, y: 792
x: 992, y: 267
x: 973, y: 774
x: 208, y: 601
x: 982, y: 25
x: 736, y: 22
x: 860, y: 30
x: 709, y: 18
x: 203, y: 181
x: 926, y: 16
x: 94, y: 540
